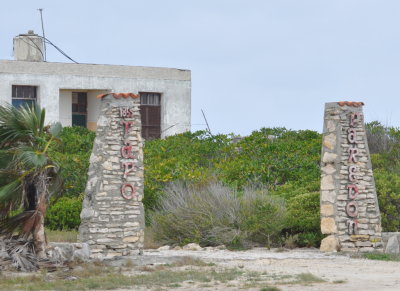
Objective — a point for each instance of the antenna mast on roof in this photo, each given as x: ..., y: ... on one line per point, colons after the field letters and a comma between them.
x: 209, y: 130
x: 44, y: 36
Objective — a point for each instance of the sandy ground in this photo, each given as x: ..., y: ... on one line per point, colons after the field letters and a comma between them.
x: 340, y: 271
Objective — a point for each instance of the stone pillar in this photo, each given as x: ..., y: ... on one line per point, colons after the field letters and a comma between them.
x: 112, y: 218
x: 349, y: 207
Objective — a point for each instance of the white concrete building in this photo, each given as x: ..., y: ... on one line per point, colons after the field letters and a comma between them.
x: 68, y: 91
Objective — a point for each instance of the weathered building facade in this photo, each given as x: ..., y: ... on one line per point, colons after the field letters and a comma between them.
x: 68, y: 91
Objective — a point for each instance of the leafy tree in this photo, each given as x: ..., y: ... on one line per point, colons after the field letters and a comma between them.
x: 27, y: 175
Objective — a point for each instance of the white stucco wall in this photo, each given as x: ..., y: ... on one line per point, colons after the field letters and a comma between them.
x: 57, y: 81
x: 65, y: 101
x: 93, y: 107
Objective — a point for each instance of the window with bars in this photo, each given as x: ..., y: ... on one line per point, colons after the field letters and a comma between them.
x: 22, y: 95
x: 150, y: 111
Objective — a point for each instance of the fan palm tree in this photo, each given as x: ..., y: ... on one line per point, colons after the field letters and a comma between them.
x: 27, y: 174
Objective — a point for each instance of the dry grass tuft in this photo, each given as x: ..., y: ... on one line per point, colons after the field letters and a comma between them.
x: 307, y: 278
x: 191, y: 261
x: 69, y: 236
x: 149, y: 242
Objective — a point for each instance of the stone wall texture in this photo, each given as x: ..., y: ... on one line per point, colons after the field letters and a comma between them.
x: 350, y: 214
x: 112, y: 217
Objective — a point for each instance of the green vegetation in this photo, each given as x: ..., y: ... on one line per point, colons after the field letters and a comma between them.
x: 189, y: 157
x: 215, y: 214
x: 382, y: 257
x: 73, y: 154
x: 283, y: 163
x: 64, y: 214
x: 28, y: 174
x: 270, y: 288
x: 307, y: 278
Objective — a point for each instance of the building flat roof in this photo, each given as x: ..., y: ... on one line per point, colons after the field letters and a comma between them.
x: 117, y: 71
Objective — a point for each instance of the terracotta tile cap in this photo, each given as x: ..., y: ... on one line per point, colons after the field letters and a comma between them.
x: 119, y: 95
x: 349, y: 103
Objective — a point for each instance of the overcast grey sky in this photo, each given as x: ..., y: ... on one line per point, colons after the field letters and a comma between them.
x: 254, y: 63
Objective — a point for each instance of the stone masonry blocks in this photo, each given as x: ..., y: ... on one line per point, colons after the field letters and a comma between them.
x: 349, y: 207
x: 112, y: 217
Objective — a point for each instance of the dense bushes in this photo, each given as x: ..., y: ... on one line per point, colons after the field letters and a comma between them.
x: 189, y: 157
x: 384, y: 143
x: 272, y: 157
x: 63, y: 214
x: 284, y: 162
x: 214, y: 214
x: 303, y: 219
x: 72, y: 154
x: 388, y: 188
x: 269, y: 157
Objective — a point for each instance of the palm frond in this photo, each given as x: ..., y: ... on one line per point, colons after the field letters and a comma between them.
x: 12, y: 128
x: 32, y: 118
x: 20, y: 124
x: 7, y: 175
x: 5, y: 158
x: 56, y: 185
x: 24, y: 222
x: 11, y: 193
x: 55, y: 129
x: 26, y: 173
x: 22, y: 254
x: 30, y: 159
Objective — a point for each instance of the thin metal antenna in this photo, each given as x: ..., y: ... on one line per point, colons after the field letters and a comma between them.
x: 209, y: 130
x: 44, y: 36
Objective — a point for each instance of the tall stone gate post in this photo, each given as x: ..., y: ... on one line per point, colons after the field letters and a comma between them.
x: 349, y: 208
x: 112, y: 218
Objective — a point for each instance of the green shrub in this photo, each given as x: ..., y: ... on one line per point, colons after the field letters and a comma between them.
x: 73, y: 155
x: 303, y: 218
x: 384, y: 145
x: 74, y: 168
x: 388, y: 188
x: 63, y: 214
x: 77, y: 140
x: 188, y: 157
x: 309, y: 239
x: 262, y: 216
x: 214, y: 214
x: 272, y: 157
x: 293, y: 189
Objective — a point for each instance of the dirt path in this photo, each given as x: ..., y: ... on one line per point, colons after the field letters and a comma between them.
x: 339, y: 271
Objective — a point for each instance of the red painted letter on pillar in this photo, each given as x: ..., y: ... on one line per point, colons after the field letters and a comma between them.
x: 127, y: 125
x: 353, y: 191
x: 126, y: 151
x: 128, y: 167
x: 355, y: 118
x: 128, y: 191
x: 353, y: 155
x: 352, y: 173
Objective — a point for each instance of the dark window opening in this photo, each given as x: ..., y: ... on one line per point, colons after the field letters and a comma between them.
x: 22, y: 95
x: 79, y: 109
x: 150, y: 111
